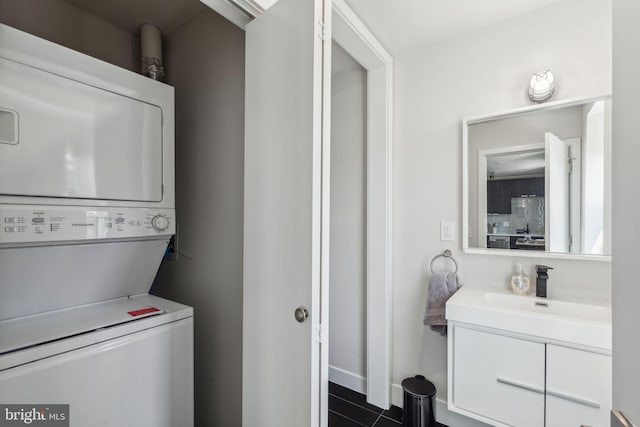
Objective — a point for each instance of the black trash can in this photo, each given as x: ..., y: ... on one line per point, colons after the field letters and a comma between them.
x: 418, y: 402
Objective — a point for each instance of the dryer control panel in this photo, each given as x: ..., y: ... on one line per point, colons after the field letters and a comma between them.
x: 32, y: 224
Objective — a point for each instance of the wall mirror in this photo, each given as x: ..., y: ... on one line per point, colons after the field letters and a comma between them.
x: 537, y: 181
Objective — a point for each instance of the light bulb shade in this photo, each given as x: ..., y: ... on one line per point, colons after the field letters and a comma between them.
x: 541, y: 86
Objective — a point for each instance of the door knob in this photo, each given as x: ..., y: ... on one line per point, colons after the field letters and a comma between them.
x: 301, y: 314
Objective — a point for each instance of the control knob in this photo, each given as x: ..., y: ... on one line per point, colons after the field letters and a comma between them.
x: 159, y: 222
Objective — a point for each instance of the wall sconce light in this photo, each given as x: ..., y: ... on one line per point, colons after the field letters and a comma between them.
x: 541, y: 86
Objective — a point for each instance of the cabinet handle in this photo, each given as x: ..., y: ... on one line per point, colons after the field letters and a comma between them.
x: 520, y: 385
x: 579, y: 400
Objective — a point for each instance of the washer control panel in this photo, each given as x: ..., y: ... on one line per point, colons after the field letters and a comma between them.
x: 26, y: 224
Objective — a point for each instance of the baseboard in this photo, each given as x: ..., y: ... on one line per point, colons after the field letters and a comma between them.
x: 443, y: 414
x: 348, y: 379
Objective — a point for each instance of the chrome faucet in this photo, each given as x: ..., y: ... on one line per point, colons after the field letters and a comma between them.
x: 541, y: 280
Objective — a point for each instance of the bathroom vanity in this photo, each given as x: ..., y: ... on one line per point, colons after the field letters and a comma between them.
x: 528, y: 362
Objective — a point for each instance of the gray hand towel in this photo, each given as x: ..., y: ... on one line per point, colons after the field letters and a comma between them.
x: 443, y: 285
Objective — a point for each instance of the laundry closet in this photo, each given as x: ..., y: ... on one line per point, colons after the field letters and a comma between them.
x: 205, y: 61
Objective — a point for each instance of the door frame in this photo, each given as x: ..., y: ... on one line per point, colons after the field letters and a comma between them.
x: 483, y: 154
x: 354, y: 37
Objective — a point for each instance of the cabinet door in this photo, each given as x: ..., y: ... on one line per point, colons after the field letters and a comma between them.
x: 493, y: 197
x: 506, y: 196
x: 578, y: 388
x: 498, y: 378
x: 498, y: 197
x: 536, y: 187
x: 519, y: 188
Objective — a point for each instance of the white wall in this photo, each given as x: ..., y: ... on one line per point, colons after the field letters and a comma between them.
x: 205, y: 64
x: 626, y: 205
x: 436, y: 86
x: 347, y: 289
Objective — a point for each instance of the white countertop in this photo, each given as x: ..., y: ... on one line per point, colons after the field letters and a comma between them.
x: 580, y: 323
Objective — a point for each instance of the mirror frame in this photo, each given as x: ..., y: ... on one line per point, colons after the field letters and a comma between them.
x: 466, y: 122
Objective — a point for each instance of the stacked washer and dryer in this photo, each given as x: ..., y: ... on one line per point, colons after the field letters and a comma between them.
x: 86, y: 212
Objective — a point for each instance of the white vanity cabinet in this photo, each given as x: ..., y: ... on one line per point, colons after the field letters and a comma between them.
x: 509, y: 379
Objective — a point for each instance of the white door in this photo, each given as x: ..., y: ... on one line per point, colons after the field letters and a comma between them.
x: 285, y: 211
x: 556, y: 193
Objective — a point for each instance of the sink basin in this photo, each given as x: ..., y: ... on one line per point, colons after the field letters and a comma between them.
x: 563, y: 309
x: 578, y: 323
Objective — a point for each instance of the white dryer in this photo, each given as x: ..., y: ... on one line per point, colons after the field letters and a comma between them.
x: 86, y: 213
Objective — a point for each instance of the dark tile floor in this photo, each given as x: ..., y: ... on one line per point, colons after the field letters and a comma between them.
x: 348, y: 408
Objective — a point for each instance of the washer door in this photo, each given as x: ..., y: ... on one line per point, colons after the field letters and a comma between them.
x: 142, y: 379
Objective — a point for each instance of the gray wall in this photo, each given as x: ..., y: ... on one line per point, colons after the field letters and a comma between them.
x: 205, y: 62
x: 347, y: 291
x: 74, y: 28
x: 626, y: 205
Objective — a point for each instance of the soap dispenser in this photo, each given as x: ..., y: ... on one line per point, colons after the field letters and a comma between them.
x: 520, y: 281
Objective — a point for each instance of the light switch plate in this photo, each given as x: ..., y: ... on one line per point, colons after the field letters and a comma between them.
x: 447, y: 230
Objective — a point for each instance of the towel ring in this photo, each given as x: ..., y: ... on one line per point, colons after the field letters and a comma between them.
x: 446, y: 254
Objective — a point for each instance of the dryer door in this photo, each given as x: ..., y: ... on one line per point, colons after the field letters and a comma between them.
x: 65, y: 139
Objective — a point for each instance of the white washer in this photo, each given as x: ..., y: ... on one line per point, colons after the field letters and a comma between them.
x: 124, y: 362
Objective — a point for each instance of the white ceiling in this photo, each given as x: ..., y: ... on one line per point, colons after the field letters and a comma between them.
x: 401, y: 24
x: 516, y: 164
x: 398, y: 24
